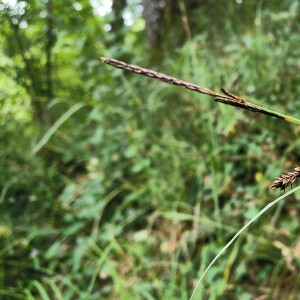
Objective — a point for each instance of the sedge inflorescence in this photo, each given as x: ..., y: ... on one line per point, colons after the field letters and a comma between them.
x: 284, y: 180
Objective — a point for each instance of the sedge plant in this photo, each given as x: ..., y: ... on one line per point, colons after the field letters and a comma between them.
x: 228, y: 98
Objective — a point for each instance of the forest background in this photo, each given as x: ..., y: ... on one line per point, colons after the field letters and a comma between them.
x: 115, y: 186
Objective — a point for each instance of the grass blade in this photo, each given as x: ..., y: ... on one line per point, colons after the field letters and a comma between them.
x: 267, y: 207
x: 55, y: 126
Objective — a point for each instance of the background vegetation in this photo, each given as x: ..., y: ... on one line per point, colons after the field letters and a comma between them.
x: 115, y: 186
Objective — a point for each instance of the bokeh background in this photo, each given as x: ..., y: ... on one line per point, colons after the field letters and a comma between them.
x: 116, y: 186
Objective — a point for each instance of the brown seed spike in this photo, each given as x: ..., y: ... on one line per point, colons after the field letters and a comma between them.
x: 228, y: 98
x: 284, y: 180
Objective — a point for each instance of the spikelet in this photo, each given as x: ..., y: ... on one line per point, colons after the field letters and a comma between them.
x: 285, y: 179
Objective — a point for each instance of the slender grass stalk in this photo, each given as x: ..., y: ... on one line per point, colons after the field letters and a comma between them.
x: 240, y: 232
x: 57, y: 294
x: 41, y: 290
x: 226, y: 97
x: 11, y: 294
x: 98, y: 266
x: 55, y: 126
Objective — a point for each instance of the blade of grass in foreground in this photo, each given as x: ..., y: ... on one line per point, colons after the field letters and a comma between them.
x: 239, y: 233
x: 226, y: 97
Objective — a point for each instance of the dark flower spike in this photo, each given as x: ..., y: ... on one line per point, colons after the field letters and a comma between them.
x: 285, y: 179
x: 227, y: 98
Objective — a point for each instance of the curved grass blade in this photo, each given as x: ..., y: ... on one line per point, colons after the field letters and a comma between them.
x: 55, y: 126
x: 267, y: 207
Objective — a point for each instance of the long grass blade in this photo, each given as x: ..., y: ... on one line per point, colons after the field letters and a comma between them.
x: 55, y: 126
x: 267, y: 207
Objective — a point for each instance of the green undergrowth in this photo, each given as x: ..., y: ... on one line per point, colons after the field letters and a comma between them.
x: 149, y: 181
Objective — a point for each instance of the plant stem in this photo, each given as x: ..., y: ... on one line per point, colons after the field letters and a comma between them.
x: 226, y: 97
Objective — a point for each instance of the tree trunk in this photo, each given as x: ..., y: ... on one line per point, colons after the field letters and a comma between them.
x: 164, y: 27
x: 50, y: 41
x: 118, y: 22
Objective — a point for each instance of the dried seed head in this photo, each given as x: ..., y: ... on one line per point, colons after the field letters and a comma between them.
x: 284, y: 180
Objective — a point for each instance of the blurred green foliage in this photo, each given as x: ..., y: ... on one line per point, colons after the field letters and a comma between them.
x: 136, y: 185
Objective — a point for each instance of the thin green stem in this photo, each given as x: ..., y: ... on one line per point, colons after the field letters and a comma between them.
x: 239, y: 233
